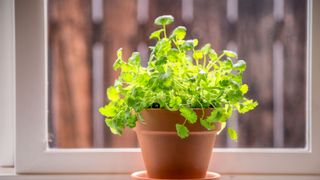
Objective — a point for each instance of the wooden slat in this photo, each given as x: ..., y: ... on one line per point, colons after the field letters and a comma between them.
x: 293, y: 36
x: 210, y: 23
x: 70, y: 41
x: 255, y: 44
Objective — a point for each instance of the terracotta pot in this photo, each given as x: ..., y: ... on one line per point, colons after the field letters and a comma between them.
x: 165, y: 154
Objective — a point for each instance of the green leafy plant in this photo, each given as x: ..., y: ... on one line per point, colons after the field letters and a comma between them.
x: 179, y: 77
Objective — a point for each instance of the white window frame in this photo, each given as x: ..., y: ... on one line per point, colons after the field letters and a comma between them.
x: 7, y: 82
x: 34, y: 156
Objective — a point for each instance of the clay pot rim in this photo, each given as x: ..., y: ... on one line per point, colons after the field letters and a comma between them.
x: 175, y: 133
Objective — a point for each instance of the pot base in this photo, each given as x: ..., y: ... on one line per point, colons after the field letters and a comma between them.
x: 142, y: 175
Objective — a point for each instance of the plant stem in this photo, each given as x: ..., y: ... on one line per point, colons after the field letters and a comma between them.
x: 176, y: 45
x: 204, y: 62
x: 201, y: 108
x: 164, y: 31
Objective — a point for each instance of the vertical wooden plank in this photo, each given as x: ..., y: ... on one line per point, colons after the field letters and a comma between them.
x: 119, y: 30
x: 210, y: 23
x: 293, y: 36
x: 70, y: 41
x: 255, y: 44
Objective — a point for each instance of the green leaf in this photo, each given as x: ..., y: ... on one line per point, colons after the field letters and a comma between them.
x: 230, y: 54
x: 197, y: 54
x: 195, y: 42
x: 134, y: 59
x: 119, y: 61
x: 203, y: 75
x: 164, y: 20
x: 189, y: 114
x: 187, y: 45
x: 131, y: 121
x: 246, y: 105
x: 175, y: 102
x: 228, y: 65
x: 206, y: 124
x: 161, y: 60
x: 162, y: 47
x: 240, y: 65
x: 138, y: 92
x: 112, y: 126
x: 156, y: 34
x: 127, y: 77
x: 179, y: 32
x: 244, y: 88
x: 212, y: 55
x: 214, y: 116
x: 131, y: 101
x: 119, y: 53
x: 108, y: 110
x: 182, y: 131
x: 206, y: 49
x: 112, y: 93
x: 234, y: 96
x: 232, y: 134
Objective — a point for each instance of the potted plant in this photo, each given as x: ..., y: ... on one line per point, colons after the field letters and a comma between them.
x: 178, y: 103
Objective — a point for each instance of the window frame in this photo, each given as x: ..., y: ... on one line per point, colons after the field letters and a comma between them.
x: 34, y: 156
x: 7, y: 82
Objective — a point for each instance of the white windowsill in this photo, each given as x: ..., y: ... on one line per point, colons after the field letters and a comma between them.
x: 9, y: 174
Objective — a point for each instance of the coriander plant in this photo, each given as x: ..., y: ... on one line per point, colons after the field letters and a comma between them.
x: 179, y: 77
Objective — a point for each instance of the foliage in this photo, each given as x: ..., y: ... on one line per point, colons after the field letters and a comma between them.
x: 179, y: 77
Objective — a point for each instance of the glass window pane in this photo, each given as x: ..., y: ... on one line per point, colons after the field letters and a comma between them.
x: 269, y: 35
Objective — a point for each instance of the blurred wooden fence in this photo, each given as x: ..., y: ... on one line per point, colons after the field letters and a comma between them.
x: 270, y: 35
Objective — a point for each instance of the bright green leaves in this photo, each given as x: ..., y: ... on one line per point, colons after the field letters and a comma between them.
x: 162, y: 48
x: 113, y: 93
x: 232, y: 134
x: 134, y: 59
x: 195, y: 42
x: 230, y: 54
x: 179, y: 32
x: 182, y: 131
x: 156, y: 34
x: 214, y: 116
x: 208, y: 125
x: 189, y: 114
x: 164, y: 20
x: 109, y: 110
x: 240, y: 65
x: 189, y: 44
x: 212, y: 55
x: 234, y: 95
x: 206, y: 49
x: 178, y: 77
x: 197, y: 54
x: 112, y: 125
x: 175, y: 102
x: 119, y: 61
x: 131, y: 120
x: 246, y: 105
x: 244, y: 88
